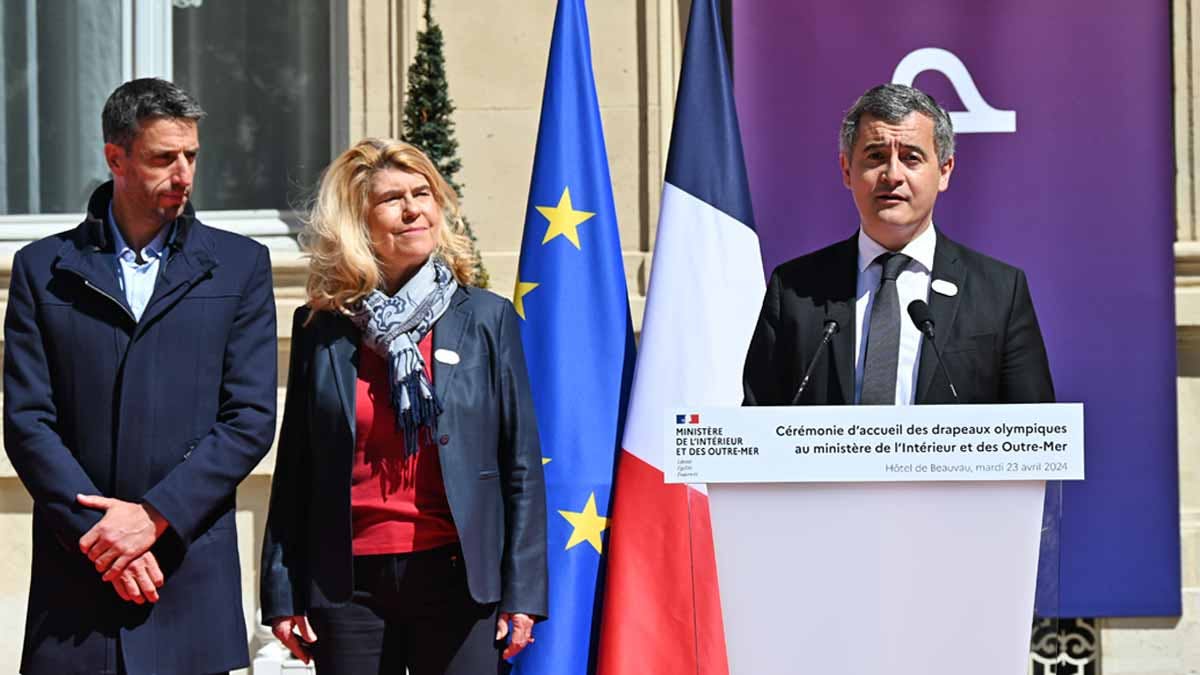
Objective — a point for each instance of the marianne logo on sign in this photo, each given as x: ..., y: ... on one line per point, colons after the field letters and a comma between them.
x: 687, y: 419
x: 980, y: 117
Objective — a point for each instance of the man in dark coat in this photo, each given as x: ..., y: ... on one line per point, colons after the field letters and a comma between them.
x: 139, y: 390
x: 897, y: 155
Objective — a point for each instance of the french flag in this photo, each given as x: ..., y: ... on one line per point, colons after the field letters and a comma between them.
x: 662, y: 609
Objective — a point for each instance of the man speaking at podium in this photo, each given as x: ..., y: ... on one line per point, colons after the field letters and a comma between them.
x: 853, y: 316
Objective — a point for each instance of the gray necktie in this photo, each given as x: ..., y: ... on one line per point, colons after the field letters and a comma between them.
x: 883, y: 336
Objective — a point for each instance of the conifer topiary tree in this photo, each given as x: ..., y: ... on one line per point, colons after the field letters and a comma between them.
x: 427, y: 116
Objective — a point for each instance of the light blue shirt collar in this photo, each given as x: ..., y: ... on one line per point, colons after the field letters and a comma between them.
x: 152, y: 250
x: 137, y: 276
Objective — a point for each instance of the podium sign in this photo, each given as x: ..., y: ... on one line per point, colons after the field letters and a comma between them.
x: 833, y: 560
x: 876, y: 443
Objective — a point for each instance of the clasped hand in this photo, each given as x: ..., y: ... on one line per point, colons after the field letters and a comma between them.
x: 119, y: 546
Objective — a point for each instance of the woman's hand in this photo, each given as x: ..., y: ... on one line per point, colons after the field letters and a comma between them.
x: 522, y: 632
x: 295, y: 634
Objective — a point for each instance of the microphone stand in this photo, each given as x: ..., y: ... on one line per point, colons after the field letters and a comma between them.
x: 831, y: 327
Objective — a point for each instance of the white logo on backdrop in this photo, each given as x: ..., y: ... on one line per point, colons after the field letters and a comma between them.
x: 979, y: 118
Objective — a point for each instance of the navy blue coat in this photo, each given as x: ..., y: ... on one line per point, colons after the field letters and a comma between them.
x: 488, y: 447
x: 173, y: 410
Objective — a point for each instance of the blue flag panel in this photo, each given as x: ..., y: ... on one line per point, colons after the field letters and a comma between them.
x: 578, y: 338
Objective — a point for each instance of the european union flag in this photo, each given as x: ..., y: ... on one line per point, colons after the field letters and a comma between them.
x: 578, y: 340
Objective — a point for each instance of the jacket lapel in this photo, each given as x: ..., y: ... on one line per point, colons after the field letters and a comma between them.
x: 839, y: 306
x: 342, y: 346
x: 947, y: 266
x: 189, y: 259
x: 448, y: 335
x: 89, y: 255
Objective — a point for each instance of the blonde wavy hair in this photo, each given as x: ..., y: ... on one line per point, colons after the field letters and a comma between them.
x: 342, y: 265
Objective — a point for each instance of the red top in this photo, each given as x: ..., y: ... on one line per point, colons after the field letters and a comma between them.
x: 397, y: 503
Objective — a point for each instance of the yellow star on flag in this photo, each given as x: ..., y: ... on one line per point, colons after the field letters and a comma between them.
x: 523, y: 288
x: 545, y: 461
x: 587, y: 523
x: 564, y: 219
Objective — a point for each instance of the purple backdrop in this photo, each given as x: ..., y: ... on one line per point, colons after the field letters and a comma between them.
x: 1080, y: 197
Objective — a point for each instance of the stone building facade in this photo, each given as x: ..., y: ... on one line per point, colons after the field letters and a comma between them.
x: 348, y: 62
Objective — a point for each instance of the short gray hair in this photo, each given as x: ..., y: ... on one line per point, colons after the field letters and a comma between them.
x: 143, y: 99
x: 891, y: 103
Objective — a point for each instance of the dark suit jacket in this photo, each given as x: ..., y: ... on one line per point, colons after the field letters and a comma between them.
x: 487, y: 444
x: 173, y: 410
x: 988, y: 333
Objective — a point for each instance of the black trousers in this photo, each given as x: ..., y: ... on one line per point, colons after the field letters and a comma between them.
x: 409, y: 611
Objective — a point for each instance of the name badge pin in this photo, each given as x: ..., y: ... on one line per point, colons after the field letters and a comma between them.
x: 944, y: 287
x: 447, y: 357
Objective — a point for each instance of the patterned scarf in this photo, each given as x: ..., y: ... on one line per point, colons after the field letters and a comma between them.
x: 392, y: 327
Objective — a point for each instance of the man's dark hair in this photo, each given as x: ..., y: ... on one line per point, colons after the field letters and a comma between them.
x: 891, y: 103
x: 143, y: 99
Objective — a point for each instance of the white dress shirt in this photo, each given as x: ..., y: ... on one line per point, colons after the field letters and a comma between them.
x: 137, y: 279
x: 912, y: 284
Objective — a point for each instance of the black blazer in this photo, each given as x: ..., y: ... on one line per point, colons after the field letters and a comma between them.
x: 173, y: 410
x: 487, y: 443
x: 988, y: 332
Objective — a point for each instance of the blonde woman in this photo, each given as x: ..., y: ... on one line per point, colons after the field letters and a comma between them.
x: 407, y: 522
